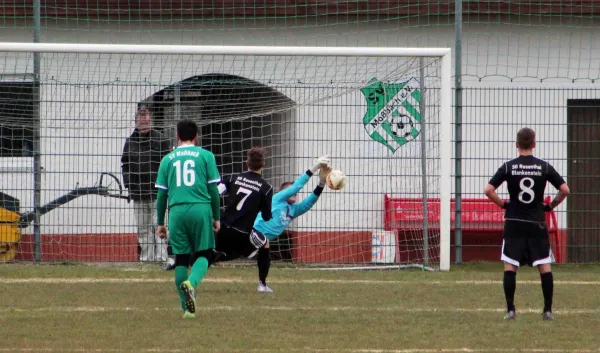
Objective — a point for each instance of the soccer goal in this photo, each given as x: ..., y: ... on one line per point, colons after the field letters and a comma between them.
x: 382, y: 114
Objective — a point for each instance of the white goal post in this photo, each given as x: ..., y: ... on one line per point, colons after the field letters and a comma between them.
x: 322, y: 82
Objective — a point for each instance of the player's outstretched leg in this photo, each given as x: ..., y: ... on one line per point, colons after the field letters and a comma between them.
x: 220, y: 256
x: 263, y: 260
x: 510, y: 286
x: 547, y: 280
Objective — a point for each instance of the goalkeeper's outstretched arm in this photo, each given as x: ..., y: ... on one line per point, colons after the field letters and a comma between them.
x: 292, y: 190
x: 284, y: 209
x: 306, y: 204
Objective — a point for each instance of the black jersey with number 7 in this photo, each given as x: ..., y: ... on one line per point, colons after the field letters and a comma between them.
x: 247, y: 195
x: 526, y: 178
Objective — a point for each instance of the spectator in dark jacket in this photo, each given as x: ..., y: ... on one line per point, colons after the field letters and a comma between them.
x: 142, y: 154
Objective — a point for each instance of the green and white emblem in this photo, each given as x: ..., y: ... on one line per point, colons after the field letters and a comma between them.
x: 393, y: 118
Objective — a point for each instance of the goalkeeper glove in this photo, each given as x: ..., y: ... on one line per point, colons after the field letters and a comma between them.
x: 320, y: 162
x: 323, y: 173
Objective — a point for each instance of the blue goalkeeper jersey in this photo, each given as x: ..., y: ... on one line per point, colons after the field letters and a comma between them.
x: 284, y: 213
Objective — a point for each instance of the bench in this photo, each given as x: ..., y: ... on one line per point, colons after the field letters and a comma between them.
x: 482, y: 226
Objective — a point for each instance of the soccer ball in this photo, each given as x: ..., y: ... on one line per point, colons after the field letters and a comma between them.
x: 336, y: 179
x: 401, y: 125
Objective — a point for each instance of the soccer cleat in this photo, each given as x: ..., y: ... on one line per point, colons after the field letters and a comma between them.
x: 188, y: 315
x: 547, y: 316
x: 511, y: 315
x: 170, y: 265
x: 264, y: 288
x: 190, y: 296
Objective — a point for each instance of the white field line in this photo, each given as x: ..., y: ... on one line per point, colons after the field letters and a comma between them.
x: 314, y: 350
x: 101, y: 309
x: 90, y: 280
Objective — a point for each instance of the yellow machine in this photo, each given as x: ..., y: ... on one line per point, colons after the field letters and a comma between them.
x: 10, y: 234
x: 12, y: 221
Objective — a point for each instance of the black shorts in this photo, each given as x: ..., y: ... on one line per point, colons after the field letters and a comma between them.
x: 526, y: 243
x: 236, y: 244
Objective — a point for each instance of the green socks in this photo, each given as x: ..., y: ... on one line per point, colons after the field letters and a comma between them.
x: 196, y: 275
x: 198, y: 271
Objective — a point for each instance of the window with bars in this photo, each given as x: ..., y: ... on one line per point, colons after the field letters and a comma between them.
x: 17, y: 119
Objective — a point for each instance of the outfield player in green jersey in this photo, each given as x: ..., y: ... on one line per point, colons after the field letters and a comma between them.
x: 187, y: 182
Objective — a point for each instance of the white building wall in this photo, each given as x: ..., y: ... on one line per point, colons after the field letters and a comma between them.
x: 90, y: 140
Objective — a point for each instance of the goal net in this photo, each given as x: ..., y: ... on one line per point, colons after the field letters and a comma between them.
x: 383, y: 115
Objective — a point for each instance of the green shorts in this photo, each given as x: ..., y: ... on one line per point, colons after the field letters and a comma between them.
x: 190, y: 228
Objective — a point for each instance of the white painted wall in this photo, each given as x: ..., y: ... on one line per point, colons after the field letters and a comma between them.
x: 100, y: 118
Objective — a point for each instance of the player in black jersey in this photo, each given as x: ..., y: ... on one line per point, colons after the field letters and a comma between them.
x: 248, y: 194
x: 525, y: 231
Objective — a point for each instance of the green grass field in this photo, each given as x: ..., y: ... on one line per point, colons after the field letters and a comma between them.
x: 110, y: 308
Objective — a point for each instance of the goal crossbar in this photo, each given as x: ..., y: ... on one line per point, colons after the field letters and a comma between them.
x: 220, y: 50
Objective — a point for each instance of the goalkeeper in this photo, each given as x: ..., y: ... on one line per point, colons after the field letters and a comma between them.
x: 284, y: 210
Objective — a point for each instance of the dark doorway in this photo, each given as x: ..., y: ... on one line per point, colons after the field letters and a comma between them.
x: 234, y: 114
x: 583, y: 170
x: 230, y: 140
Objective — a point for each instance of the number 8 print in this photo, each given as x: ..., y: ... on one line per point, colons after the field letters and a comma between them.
x: 526, y: 189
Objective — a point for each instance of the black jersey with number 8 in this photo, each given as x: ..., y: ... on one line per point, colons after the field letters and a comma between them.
x: 526, y: 178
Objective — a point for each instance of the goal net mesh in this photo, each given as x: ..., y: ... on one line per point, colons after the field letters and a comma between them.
x: 377, y: 117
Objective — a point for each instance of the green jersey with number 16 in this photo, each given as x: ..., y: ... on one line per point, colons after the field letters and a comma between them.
x: 186, y: 173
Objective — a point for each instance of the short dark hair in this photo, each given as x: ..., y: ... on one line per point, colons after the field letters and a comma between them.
x: 187, y: 130
x: 285, y: 184
x: 142, y: 112
x: 256, y: 158
x: 526, y: 138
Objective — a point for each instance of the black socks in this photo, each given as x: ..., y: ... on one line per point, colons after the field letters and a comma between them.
x: 547, y: 289
x: 510, y: 285
x: 263, y: 260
